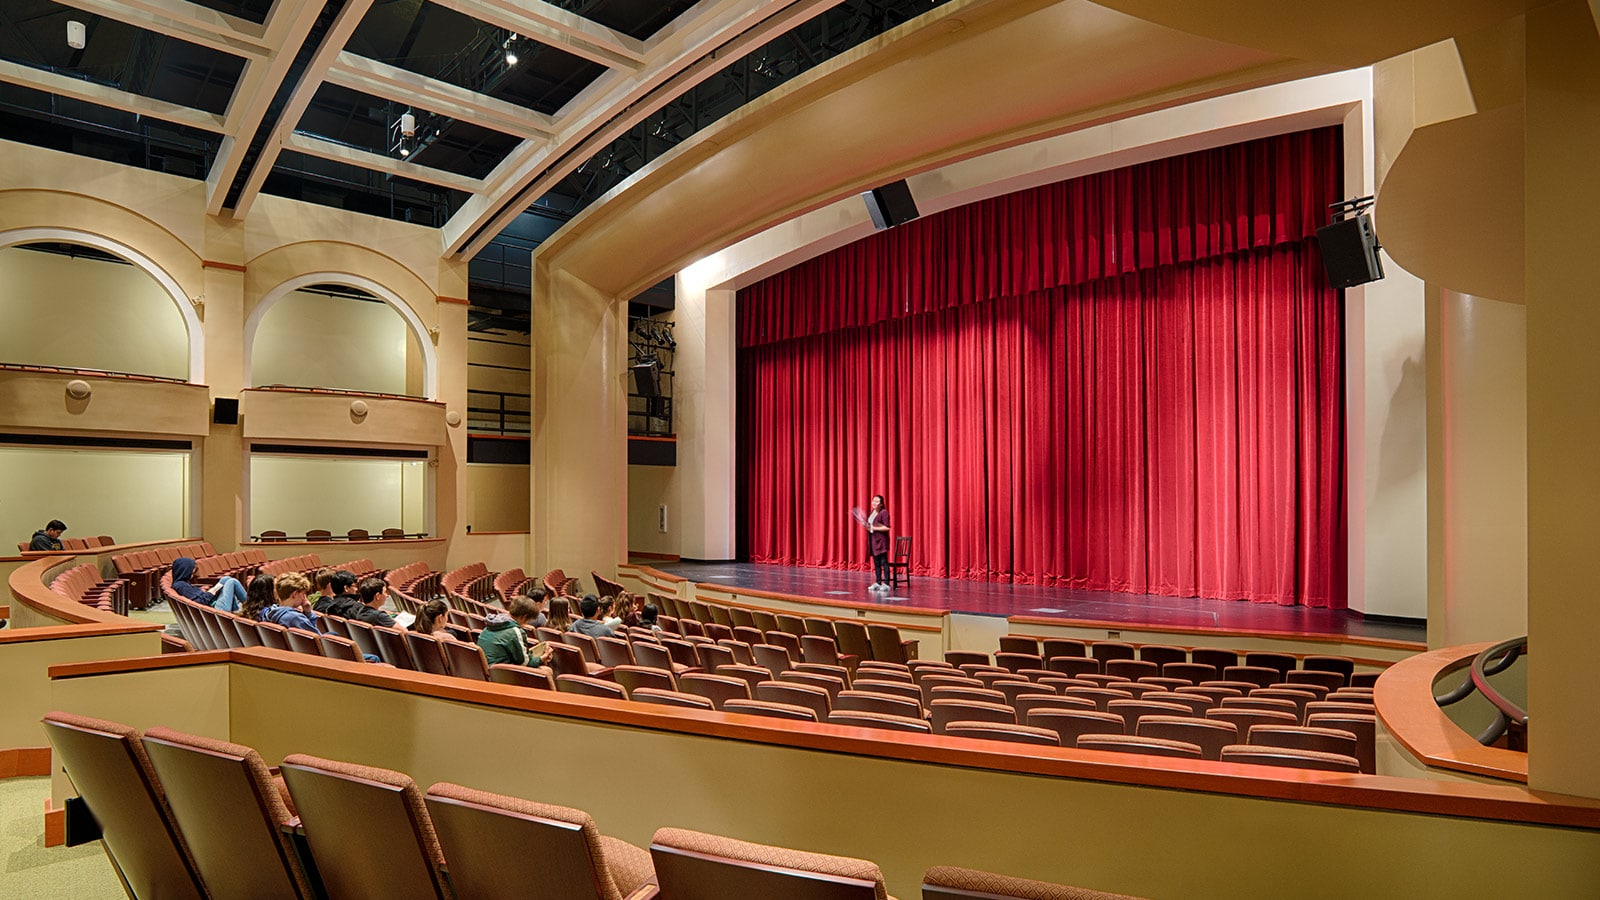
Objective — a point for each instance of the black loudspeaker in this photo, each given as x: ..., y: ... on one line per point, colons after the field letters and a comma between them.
x: 891, y: 205
x: 225, y: 411
x: 645, y: 382
x: 1350, y: 252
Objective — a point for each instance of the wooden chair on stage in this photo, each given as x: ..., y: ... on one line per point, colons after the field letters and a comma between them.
x: 901, y: 563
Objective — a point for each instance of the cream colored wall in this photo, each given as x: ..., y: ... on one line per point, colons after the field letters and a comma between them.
x: 131, y: 495
x: 649, y: 488
x: 296, y: 494
x: 499, y: 497
x: 316, y: 340
x: 703, y: 402
x: 23, y: 668
x: 87, y: 313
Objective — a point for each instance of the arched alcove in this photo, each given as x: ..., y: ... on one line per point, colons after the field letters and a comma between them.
x: 81, y: 301
x: 341, y: 331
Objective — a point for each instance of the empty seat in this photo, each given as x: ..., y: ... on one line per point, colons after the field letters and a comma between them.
x: 1100, y: 696
x: 335, y: 647
x: 1363, y: 725
x: 671, y: 698
x: 1019, y: 643
x: 1161, y: 654
x: 1197, y: 704
x: 1070, y: 724
x: 1002, y: 731
x: 1260, y: 676
x: 1147, y: 746
x: 589, y: 687
x: 231, y: 815
x: 1244, y: 718
x: 817, y: 699
x: 866, y: 701
x: 1132, y: 710
x: 694, y: 864
x: 959, y: 657
x: 1072, y: 665
x: 1027, y: 703
x: 1341, y: 664
x: 771, y: 710
x: 1132, y: 669
x: 392, y: 647
x: 953, y: 883
x: 337, y: 800
x: 1303, y: 737
x: 942, y: 712
x: 973, y: 695
x: 719, y: 689
x: 523, y: 676
x: 1299, y: 698
x: 877, y: 720
x: 1014, y: 690
x: 1289, y: 758
x: 1212, y: 656
x: 772, y: 657
x: 1210, y: 735
x: 1054, y: 647
x: 427, y: 653
x: 1106, y: 651
x: 630, y: 678
x: 752, y: 675
x: 302, y: 641
x: 481, y: 832
x: 1329, y: 680
x: 1272, y: 659
x: 833, y: 684
x: 1011, y: 662
x: 108, y: 767
x: 1192, y: 672
x: 1254, y: 702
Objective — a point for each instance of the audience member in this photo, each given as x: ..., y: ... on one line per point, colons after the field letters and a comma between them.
x: 323, y: 589
x: 341, y: 588
x: 291, y: 611
x: 260, y: 597
x: 560, y: 616
x: 607, y: 608
x: 48, y: 537
x: 504, y: 639
x: 627, y: 609
x: 228, y: 594
x: 648, y: 618
x: 536, y: 597
x: 431, y: 620
x: 590, y: 624
x: 366, y: 605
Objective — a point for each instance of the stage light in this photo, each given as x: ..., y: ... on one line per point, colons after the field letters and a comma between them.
x: 511, y: 58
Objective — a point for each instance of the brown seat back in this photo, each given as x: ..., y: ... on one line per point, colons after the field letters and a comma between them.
x: 952, y: 883
x: 1127, y: 743
x: 1286, y: 757
x: 481, y: 832
x: 523, y: 676
x: 692, y: 864
x: 224, y: 800
x: 719, y: 689
x: 107, y: 765
x: 427, y: 653
x: 368, y: 829
x: 392, y: 647
x: 466, y: 660
x: 1210, y: 735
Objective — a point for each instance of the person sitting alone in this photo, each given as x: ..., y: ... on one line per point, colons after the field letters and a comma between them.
x: 590, y: 624
x: 341, y: 590
x: 48, y: 537
x: 291, y: 611
x: 367, y: 605
x: 504, y: 639
x: 228, y: 594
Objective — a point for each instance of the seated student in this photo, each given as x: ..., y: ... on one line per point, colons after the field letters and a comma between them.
x: 504, y: 639
x: 291, y: 611
x: 590, y: 624
x: 431, y: 620
x: 536, y: 597
x: 48, y: 537
x: 648, y: 618
x: 321, y: 586
x: 341, y: 587
x: 560, y: 616
x: 367, y: 605
x: 607, y: 613
x: 260, y: 597
x: 627, y: 609
x: 228, y: 594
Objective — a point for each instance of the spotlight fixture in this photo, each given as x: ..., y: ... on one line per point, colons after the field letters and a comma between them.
x: 77, y: 35
x: 408, y: 124
x: 509, y: 45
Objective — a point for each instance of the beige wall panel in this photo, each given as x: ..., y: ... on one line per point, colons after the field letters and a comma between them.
x: 499, y: 497
x: 1563, y: 270
x: 88, y: 313
x: 38, y: 401
x: 296, y: 494
x: 649, y: 488
x: 507, y: 550
x: 131, y: 495
x: 305, y: 417
x: 28, y: 694
x: 899, y: 813
x: 314, y: 340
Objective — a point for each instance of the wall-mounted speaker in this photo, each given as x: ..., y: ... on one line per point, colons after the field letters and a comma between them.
x: 891, y: 205
x: 1350, y: 252
x: 645, y: 380
x: 225, y: 411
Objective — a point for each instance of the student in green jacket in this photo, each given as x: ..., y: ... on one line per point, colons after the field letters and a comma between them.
x: 503, y: 639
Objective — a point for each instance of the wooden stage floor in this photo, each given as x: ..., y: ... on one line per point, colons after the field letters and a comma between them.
x: 994, y: 599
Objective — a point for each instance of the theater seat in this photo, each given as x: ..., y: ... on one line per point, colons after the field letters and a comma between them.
x: 230, y: 812
x: 107, y: 765
x: 368, y: 828
x: 953, y: 883
x: 692, y: 864
x: 484, y: 834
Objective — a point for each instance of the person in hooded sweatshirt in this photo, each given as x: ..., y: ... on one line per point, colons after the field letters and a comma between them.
x: 341, y: 588
x: 49, y: 537
x: 504, y: 641
x: 228, y: 594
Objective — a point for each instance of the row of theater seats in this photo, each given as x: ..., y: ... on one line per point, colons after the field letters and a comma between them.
x: 143, y: 568
x: 275, y: 536
x: 84, y: 584
x: 852, y: 639
x: 75, y: 543
x: 185, y: 816
x: 1196, y: 664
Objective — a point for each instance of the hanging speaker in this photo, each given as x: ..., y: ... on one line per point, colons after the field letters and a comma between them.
x: 225, y: 411
x: 891, y: 205
x: 645, y: 382
x: 1350, y: 252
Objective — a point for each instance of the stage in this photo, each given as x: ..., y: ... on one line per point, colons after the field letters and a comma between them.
x: 994, y: 599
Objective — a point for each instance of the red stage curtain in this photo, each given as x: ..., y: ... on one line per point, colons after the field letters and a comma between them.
x: 1131, y: 381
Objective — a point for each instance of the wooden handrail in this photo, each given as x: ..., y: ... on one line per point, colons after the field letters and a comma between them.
x: 1439, y: 798
x: 1404, y: 698
x: 28, y: 587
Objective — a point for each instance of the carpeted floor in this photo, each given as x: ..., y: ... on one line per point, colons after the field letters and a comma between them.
x: 30, y: 870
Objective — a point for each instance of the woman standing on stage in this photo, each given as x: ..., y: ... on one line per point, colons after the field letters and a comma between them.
x: 878, y: 543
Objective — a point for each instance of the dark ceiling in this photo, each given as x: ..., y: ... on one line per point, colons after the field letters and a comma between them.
x: 420, y: 37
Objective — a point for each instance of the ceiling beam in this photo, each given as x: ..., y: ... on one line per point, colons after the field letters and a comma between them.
x: 188, y: 22
x: 387, y: 82
x: 332, y: 44
x: 377, y: 162
x: 698, y: 44
x: 565, y: 30
x: 101, y: 95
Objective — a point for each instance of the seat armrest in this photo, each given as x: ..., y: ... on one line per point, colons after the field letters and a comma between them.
x: 646, y: 891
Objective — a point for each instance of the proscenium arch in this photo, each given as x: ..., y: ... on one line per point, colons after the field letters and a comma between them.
x: 180, y: 299
x: 430, y: 355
